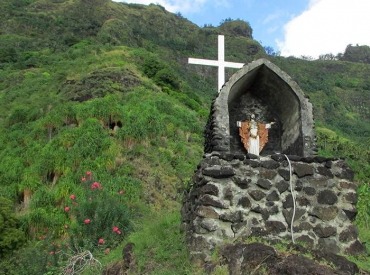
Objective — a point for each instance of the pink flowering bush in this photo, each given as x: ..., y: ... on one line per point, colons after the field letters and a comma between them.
x: 100, y: 217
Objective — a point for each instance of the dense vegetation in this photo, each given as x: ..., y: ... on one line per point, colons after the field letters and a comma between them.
x: 102, y: 126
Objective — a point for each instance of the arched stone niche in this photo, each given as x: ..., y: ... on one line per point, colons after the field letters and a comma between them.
x: 263, y: 89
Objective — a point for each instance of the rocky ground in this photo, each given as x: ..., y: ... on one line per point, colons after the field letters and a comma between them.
x: 257, y: 259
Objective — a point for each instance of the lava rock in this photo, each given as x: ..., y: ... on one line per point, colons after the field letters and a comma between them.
x: 282, y: 186
x: 207, y: 212
x: 325, y: 213
x: 270, y: 164
x: 263, y: 183
x: 309, y: 191
x: 209, y: 189
x: 208, y: 200
x: 325, y: 172
x: 275, y: 227
x: 231, y: 217
x: 327, y: 197
x: 302, y: 170
x: 349, y: 234
x: 257, y: 195
x: 273, y: 196
x: 244, y: 202
x: 218, y: 171
x: 325, y: 231
x: 285, y: 174
x: 297, y: 264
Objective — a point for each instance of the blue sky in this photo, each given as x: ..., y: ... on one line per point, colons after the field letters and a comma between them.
x: 266, y: 17
x: 293, y: 27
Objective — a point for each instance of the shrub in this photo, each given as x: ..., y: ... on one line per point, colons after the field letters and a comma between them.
x: 99, y: 218
x: 33, y: 259
x: 11, y: 236
x: 166, y: 78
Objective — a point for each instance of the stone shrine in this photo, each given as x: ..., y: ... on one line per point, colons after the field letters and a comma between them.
x: 285, y: 193
x: 263, y: 89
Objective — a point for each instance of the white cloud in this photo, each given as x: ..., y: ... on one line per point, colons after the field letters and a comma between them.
x: 327, y: 26
x: 174, y: 5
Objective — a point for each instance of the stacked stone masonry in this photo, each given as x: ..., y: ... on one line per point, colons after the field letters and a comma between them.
x: 235, y: 197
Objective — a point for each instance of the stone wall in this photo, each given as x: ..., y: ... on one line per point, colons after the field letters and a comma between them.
x: 235, y: 197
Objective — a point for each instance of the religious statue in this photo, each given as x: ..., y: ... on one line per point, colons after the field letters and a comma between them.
x: 254, y: 135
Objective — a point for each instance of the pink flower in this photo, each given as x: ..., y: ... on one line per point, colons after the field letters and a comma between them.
x: 116, y: 230
x: 66, y: 209
x: 87, y: 221
x: 89, y: 174
x: 96, y: 185
x: 72, y: 197
x: 52, y: 252
x: 83, y: 179
x: 101, y: 241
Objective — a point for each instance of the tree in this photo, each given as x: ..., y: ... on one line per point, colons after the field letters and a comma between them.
x: 357, y: 54
x: 328, y: 56
x: 271, y: 51
x: 236, y: 27
x: 11, y: 237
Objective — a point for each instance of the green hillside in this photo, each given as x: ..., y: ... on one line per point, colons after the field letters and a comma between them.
x: 101, y: 128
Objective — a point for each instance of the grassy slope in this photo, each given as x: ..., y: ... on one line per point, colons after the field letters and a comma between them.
x: 65, y: 76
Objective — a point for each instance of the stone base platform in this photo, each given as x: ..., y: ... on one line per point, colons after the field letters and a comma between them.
x: 235, y: 197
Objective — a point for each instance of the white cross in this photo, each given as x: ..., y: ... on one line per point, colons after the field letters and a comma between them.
x: 220, y: 63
